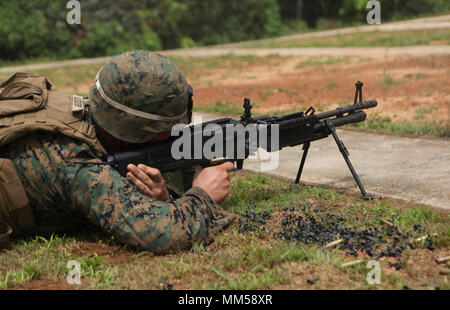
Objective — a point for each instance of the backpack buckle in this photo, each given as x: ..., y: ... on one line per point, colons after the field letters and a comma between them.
x: 77, y: 103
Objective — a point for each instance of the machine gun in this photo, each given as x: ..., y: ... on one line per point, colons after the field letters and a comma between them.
x: 294, y: 129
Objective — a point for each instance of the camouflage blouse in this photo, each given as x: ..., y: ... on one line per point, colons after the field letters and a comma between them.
x: 63, y: 194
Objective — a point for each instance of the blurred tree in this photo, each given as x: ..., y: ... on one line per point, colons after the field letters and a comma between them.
x: 37, y: 28
x: 212, y: 22
x: 299, y: 9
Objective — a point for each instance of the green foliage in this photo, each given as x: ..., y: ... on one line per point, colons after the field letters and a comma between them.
x: 348, y: 12
x: 212, y: 22
x: 352, y: 10
x: 38, y: 28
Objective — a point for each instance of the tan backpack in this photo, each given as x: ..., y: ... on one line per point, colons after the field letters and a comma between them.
x: 27, y: 104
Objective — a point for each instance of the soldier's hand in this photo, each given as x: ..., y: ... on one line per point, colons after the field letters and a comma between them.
x: 148, y: 181
x: 215, y: 180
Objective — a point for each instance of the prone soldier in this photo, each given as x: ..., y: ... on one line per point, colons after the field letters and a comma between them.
x: 51, y: 143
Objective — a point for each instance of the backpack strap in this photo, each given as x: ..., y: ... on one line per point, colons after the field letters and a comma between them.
x: 15, y: 208
x: 5, y: 233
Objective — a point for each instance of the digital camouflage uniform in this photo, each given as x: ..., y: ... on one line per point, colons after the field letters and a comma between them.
x: 64, y: 194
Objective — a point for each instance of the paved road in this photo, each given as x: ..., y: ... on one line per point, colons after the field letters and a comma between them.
x: 56, y: 64
x: 316, y: 51
x: 439, y: 22
x: 412, y: 169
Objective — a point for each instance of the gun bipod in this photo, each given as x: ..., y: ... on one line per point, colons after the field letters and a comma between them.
x: 344, y: 153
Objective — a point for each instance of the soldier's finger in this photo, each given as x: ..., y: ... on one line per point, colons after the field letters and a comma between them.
x: 143, y: 189
x: 131, y: 167
x: 131, y: 177
x: 141, y: 175
x: 147, y: 181
x: 228, y: 165
x: 154, y: 173
x: 139, y: 184
x: 135, y: 171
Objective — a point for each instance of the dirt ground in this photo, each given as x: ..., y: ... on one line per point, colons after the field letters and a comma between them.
x: 407, y: 88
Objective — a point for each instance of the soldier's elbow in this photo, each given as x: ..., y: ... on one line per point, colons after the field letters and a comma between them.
x: 162, y: 243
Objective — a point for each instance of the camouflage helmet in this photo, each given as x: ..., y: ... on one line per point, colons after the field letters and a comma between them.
x: 138, y: 94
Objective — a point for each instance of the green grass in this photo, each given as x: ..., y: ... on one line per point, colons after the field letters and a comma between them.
x: 221, y: 107
x: 420, y: 113
x: 30, y: 61
x: 367, y: 39
x: 191, y: 64
x: 272, y: 194
x: 320, y: 61
x: 92, y: 266
x: 261, y: 265
x: 266, y: 93
x: 418, y: 127
x: 388, y: 80
x: 76, y: 78
x: 235, y: 260
x: 79, y: 78
x: 46, y: 258
x: 330, y: 85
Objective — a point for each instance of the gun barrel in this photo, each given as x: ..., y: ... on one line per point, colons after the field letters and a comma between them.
x: 351, y: 108
x: 356, y: 117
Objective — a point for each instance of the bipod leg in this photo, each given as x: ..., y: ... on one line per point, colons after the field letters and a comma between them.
x: 345, y: 154
x: 302, y: 163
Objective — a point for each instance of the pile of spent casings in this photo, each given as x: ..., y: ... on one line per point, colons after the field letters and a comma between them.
x: 317, y: 227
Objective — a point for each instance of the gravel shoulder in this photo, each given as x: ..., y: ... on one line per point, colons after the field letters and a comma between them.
x: 438, y: 22
x: 314, y: 51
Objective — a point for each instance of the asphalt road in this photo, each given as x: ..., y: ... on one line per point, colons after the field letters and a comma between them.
x: 373, y: 52
x: 438, y: 22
